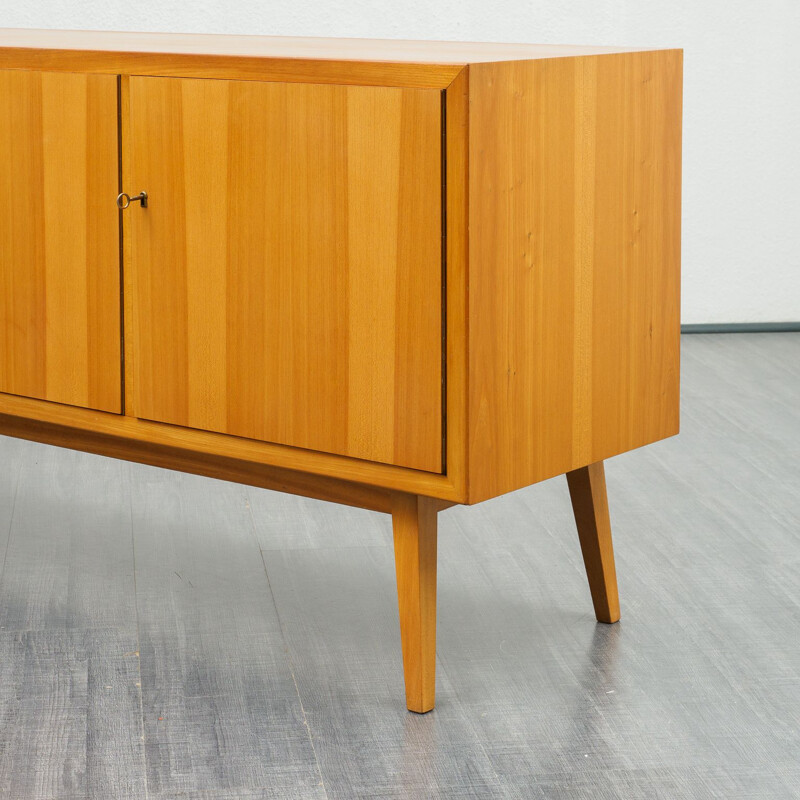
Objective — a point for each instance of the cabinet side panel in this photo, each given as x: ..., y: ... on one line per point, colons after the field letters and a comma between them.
x: 574, y: 313
x: 59, y: 257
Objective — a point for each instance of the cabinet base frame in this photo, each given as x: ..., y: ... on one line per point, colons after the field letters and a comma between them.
x: 216, y: 455
x: 414, y: 520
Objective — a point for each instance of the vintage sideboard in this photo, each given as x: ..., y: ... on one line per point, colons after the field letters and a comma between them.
x: 397, y: 275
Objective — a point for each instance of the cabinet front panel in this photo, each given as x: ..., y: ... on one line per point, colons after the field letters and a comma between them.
x: 59, y: 238
x: 286, y: 274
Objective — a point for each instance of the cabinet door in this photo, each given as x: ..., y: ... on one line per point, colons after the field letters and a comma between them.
x: 59, y: 238
x: 286, y: 275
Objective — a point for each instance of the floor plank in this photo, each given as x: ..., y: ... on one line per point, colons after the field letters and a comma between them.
x: 11, y: 451
x: 69, y: 715
x: 221, y: 710
x: 69, y: 691
x: 68, y: 562
x: 263, y: 628
x: 339, y: 610
x: 284, y: 522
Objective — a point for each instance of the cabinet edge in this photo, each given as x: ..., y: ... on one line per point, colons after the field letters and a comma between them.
x: 246, y: 68
x: 312, y: 474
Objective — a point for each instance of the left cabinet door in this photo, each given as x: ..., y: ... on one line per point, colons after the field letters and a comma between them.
x: 59, y: 238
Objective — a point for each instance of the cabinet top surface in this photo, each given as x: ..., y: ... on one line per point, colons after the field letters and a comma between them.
x: 285, y: 47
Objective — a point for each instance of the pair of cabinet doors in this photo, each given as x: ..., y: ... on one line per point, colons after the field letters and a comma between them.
x: 284, y: 282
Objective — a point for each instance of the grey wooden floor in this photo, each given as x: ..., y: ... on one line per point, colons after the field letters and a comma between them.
x: 166, y: 636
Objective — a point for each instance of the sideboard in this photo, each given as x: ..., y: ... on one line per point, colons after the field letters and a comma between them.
x: 397, y: 275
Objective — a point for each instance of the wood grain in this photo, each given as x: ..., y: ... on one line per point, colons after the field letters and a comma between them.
x: 128, y: 285
x: 59, y: 246
x: 379, y: 62
x: 557, y: 307
x: 456, y: 155
x: 68, y: 666
x: 414, y: 524
x: 214, y: 465
x: 340, y: 73
x: 287, y: 270
x: 587, y: 489
x: 574, y: 207
x: 220, y: 710
x: 84, y: 553
x: 217, y: 455
x: 71, y: 713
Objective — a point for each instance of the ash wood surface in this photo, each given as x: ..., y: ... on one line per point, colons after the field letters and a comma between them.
x: 214, y: 454
x: 282, y: 292
x: 548, y: 367
x: 289, y: 48
x: 574, y: 242
x: 414, y: 525
x: 367, y: 62
x: 587, y: 489
x: 211, y: 464
x: 456, y: 111
x: 59, y: 238
x: 354, y: 73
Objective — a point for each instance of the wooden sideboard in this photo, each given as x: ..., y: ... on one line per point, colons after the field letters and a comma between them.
x: 397, y: 275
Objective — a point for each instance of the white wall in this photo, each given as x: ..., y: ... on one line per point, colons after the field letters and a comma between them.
x: 741, y: 245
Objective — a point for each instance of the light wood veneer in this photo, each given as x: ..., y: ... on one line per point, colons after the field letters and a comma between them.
x: 574, y: 239
x: 59, y: 238
x: 287, y: 275
x: 398, y: 275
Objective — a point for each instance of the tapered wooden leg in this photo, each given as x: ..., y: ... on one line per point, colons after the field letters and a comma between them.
x: 414, y: 523
x: 587, y: 488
